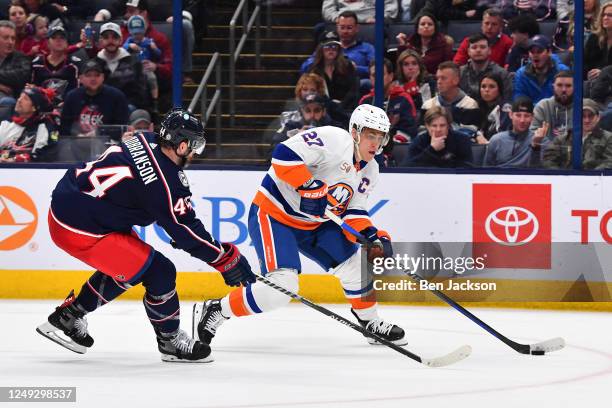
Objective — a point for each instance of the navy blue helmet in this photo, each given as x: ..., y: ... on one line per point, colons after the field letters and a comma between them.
x: 180, y: 125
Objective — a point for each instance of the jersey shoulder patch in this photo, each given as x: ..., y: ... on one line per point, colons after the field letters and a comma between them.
x: 183, y: 178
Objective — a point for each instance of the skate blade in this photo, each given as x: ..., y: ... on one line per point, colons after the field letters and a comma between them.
x: 398, y: 342
x: 173, y: 359
x: 57, y: 336
x: 198, y: 312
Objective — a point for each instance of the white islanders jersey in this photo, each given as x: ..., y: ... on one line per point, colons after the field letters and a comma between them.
x: 324, y: 153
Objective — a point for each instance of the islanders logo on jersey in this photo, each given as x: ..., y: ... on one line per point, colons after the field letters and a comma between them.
x: 339, y: 196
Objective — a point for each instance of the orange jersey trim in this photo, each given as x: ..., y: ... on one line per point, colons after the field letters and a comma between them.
x: 358, y: 224
x: 266, y: 237
x: 268, y: 207
x: 295, y: 175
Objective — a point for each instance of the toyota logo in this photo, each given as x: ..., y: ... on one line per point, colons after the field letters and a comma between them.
x: 512, y: 226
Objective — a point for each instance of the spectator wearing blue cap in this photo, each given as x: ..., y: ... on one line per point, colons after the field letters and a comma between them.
x: 535, y: 79
x: 146, y: 49
x: 137, y: 41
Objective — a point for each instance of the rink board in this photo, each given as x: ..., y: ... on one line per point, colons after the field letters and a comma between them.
x: 411, y: 207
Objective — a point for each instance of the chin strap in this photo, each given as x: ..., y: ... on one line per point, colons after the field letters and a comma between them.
x: 358, y: 157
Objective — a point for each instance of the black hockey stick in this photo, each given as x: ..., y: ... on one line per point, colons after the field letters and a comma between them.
x: 536, y: 348
x: 451, y: 358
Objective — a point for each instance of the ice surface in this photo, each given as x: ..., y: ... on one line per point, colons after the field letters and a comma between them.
x: 296, y: 357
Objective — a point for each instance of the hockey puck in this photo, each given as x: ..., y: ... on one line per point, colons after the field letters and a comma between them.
x: 538, y: 352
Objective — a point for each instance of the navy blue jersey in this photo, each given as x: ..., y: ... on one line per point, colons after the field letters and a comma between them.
x: 133, y: 183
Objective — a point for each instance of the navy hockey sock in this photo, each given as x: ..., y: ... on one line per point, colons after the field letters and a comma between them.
x: 98, y: 290
x: 163, y: 311
x: 161, y: 301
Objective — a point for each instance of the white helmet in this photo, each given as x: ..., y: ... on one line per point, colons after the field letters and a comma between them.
x: 371, y: 117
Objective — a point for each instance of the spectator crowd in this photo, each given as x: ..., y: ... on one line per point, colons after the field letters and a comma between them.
x: 69, y: 71
x: 500, y: 97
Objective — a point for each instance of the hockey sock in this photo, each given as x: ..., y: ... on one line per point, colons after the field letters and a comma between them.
x: 358, y: 289
x: 98, y: 290
x: 163, y: 311
x: 161, y: 301
x: 259, y: 297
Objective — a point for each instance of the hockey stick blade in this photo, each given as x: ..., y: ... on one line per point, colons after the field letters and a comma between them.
x: 534, y: 349
x: 451, y: 358
x: 543, y: 347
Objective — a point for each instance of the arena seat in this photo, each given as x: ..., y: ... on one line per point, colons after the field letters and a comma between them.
x: 400, y: 152
x: 164, y: 28
x: 547, y: 28
x: 101, y: 4
x: 461, y: 29
x: 394, y: 29
x: 478, y: 154
x: 4, y: 6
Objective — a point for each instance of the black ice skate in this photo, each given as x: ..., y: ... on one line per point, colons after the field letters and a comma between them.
x: 178, y: 347
x: 387, y: 331
x: 67, y: 326
x: 206, y: 319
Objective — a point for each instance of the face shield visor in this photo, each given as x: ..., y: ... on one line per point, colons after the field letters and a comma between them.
x: 197, y: 145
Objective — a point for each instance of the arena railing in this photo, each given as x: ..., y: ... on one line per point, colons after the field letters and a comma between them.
x: 236, y: 49
x: 207, y: 107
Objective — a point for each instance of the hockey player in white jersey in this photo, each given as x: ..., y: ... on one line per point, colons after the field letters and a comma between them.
x: 324, y: 167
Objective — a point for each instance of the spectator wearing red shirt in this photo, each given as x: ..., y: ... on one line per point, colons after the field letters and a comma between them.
x: 428, y: 41
x: 36, y: 41
x: 500, y: 43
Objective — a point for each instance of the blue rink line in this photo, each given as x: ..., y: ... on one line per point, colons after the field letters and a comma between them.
x: 400, y: 170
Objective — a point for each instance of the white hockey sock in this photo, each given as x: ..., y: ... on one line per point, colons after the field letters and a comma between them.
x: 259, y: 297
x: 357, y: 288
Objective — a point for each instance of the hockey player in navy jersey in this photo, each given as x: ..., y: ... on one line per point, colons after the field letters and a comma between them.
x: 93, y: 209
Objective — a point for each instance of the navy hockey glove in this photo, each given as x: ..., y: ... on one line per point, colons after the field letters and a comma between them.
x: 234, y: 268
x: 380, y: 243
x: 314, y: 197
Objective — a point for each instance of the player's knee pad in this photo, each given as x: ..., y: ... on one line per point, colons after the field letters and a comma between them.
x: 160, y: 277
x: 284, y: 277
